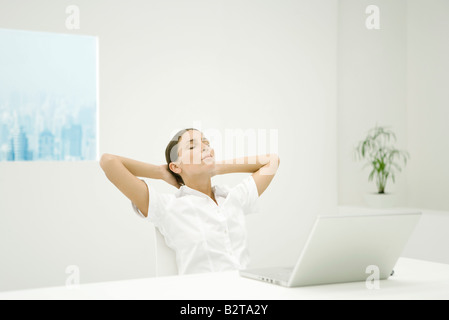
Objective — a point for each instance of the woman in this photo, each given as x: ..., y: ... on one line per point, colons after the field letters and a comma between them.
x: 203, y: 224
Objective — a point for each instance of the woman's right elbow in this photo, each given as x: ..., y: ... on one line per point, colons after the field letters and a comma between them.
x: 105, y: 159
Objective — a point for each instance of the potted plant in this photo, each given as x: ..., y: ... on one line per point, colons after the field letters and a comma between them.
x: 380, y: 154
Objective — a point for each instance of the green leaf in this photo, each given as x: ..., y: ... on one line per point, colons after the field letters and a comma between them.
x: 371, y: 176
x: 366, y: 165
x: 380, y: 153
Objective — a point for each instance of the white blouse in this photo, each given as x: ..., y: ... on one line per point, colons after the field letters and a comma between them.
x: 204, y: 236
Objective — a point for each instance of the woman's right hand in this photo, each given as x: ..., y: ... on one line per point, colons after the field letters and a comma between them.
x: 168, y: 177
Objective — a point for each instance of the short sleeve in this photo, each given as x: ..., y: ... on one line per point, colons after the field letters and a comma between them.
x: 157, y: 204
x: 248, y: 195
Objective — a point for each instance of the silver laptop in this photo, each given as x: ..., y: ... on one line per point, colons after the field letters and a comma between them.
x: 344, y: 248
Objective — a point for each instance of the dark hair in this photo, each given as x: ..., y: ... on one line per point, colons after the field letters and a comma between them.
x: 171, y: 153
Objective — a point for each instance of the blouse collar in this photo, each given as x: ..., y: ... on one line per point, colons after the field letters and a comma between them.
x: 217, y: 190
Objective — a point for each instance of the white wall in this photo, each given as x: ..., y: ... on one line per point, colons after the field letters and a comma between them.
x: 371, y: 90
x: 428, y: 103
x: 395, y: 76
x: 166, y: 65
x: 53, y: 215
x: 398, y: 76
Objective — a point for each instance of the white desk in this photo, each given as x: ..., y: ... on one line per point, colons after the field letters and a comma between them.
x: 414, y: 279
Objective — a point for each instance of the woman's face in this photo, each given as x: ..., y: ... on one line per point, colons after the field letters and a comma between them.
x: 195, y: 156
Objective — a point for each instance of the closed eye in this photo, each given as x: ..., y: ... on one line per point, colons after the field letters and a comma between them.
x: 206, y: 142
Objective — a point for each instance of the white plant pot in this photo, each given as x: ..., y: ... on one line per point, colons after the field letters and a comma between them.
x: 380, y: 201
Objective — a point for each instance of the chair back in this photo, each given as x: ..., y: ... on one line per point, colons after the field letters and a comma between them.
x: 165, y: 257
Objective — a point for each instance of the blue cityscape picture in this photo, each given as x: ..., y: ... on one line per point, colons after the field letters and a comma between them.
x: 48, y: 96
